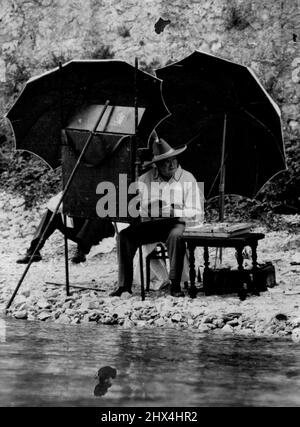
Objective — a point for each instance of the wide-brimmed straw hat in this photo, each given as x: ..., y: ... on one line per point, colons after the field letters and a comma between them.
x: 162, y: 150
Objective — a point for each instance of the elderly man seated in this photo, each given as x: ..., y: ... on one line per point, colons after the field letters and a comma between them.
x: 169, y: 199
x: 85, y: 232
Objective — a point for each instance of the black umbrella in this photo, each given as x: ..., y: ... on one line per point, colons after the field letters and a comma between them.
x: 100, y: 102
x: 230, y: 123
x: 50, y: 102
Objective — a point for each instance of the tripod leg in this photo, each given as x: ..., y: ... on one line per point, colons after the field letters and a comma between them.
x: 66, y: 259
x: 142, y: 273
x: 92, y: 133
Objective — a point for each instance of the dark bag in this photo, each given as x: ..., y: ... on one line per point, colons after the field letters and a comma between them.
x: 227, y: 281
x: 265, y: 277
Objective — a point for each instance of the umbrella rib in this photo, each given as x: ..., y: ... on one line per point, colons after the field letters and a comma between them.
x: 217, y: 176
x: 264, y: 126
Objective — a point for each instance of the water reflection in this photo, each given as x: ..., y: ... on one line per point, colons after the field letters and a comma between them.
x: 105, y: 376
x: 54, y: 365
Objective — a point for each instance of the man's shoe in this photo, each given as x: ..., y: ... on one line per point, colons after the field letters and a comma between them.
x: 78, y: 257
x: 177, y: 294
x: 119, y: 291
x: 25, y: 260
x: 176, y: 290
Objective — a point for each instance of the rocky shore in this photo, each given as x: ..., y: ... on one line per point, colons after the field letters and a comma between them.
x: 275, y: 312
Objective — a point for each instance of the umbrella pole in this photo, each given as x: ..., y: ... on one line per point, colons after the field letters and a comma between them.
x: 222, y: 174
x: 92, y: 133
x: 66, y: 259
x: 222, y: 180
x: 64, y: 216
x: 137, y: 164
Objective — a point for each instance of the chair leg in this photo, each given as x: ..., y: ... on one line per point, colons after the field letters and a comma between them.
x: 148, y: 260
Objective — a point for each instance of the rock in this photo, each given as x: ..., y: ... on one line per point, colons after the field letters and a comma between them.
x: 138, y: 305
x: 109, y: 320
x: 20, y: 301
x: 85, y: 319
x: 153, y: 314
x: 66, y: 305
x: 135, y: 315
x: 63, y: 319
x: 128, y: 323
x: 140, y: 324
x: 84, y: 307
x: 26, y: 293
x: 246, y: 332
x: 22, y: 307
x: 22, y: 314
x: 227, y: 329
x: 208, y: 319
x: 94, y: 317
x: 70, y: 312
x: 291, y: 111
x: 16, y: 203
x: 269, y: 331
x: 69, y: 298
x: 176, y: 317
x: 160, y: 322
x: 231, y: 316
x: 204, y: 328
x: 295, y: 322
x: 43, y: 303
x: 296, y: 335
x: 121, y: 311
x: 233, y: 323
x: 219, y: 323
x: 53, y: 294
x: 56, y: 314
x: 44, y: 315
x: 125, y: 296
x: 190, y: 322
x: 281, y: 317
x: 93, y: 305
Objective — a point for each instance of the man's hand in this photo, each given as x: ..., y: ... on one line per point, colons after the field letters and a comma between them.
x: 159, y: 209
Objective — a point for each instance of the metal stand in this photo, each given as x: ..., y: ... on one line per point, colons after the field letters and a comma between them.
x: 92, y: 133
x: 222, y: 173
x: 222, y: 184
x: 82, y: 288
x: 136, y: 169
x: 67, y: 260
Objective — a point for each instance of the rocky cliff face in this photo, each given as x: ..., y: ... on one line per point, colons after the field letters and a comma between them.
x: 262, y: 34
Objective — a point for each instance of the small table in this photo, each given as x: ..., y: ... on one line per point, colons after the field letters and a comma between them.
x: 239, y: 242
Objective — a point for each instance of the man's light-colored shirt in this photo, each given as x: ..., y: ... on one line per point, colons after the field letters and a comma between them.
x: 181, y: 191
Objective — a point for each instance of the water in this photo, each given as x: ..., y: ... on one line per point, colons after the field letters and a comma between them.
x: 55, y: 365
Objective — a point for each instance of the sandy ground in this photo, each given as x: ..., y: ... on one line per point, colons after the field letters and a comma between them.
x: 275, y: 312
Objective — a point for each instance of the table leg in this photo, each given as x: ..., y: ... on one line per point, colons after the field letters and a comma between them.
x: 255, y: 289
x: 240, y: 258
x: 206, y: 272
x: 242, y: 292
x: 193, y: 289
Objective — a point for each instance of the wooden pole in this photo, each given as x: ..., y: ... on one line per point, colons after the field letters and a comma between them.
x: 222, y: 173
x: 67, y: 272
x: 222, y: 180
x: 70, y: 180
x: 137, y: 164
x: 64, y: 216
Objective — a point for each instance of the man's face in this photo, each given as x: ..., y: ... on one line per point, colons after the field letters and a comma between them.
x: 168, y: 167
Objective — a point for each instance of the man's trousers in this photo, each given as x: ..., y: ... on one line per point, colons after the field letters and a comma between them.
x: 167, y: 230
x: 86, y: 232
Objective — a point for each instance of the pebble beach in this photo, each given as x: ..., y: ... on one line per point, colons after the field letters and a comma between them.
x: 42, y: 296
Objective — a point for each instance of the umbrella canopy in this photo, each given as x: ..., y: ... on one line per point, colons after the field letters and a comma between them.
x: 223, y: 113
x: 55, y: 100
